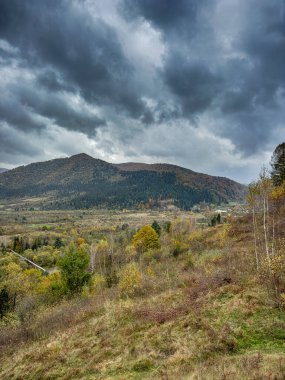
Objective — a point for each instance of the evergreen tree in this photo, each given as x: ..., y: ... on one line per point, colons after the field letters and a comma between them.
x: 219, y: 218
x: 156, y: 227
x: 4, y: 302
x: 58, y: 243
x: 167, y: 226
x: 278, y: 165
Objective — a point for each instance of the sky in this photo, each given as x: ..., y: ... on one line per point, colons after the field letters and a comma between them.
x: 196, y: 83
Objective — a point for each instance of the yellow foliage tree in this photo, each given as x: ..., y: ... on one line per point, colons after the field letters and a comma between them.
x: 15, y: 282
x: 146, y: 238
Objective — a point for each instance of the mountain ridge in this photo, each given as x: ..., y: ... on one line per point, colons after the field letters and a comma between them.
x: 84, y: 181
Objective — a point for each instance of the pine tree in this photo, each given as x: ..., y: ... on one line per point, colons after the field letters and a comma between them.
x: 4, y: 302
x: 278, y: 165
x: 156, y: 227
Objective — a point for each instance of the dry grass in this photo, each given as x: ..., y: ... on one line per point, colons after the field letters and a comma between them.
x: 211, y: 322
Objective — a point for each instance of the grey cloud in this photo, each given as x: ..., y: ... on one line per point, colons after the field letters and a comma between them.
x: 55, y: 107
x: 86, y: 53
x: 17, y: 114
x: 195, y: 85
x: 252, y: 102
x: 14, y: 146
x: 179, y: 16
x: 52, y: 81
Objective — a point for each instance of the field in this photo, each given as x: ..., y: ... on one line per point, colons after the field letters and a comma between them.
x: 79, y: 222
x: 192, y: 308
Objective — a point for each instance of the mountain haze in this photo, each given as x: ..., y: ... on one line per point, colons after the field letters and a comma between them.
x: 83, y: 181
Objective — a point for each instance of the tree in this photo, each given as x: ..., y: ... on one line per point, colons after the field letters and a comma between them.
x: 74, y: 267
x: 252, y: 200
x: 167, y: 226
x: 58, y: 243
x: 265, y: 188
x: 146, y: 238
x: 4, y: 302
x: 278, y: 165
x: 156, y: 227
x: 15, y: 283
x: 219, y: 218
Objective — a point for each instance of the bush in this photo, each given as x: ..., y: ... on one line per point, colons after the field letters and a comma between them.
x: 189, y: 262
x: 97, y: 283
x: 130, y: 279
x: 179, y: 248
x: 142, y: 365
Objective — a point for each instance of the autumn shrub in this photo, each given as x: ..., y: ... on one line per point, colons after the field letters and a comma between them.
x: 97, y: 283
x: 271, y: 273
x: 130, y: 279
x: 189, y: 261
x: 178, y: 248
x: 195, y: 240
x: 151, y: 255
x: 51, y: 288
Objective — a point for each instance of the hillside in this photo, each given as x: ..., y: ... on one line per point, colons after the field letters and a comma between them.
x: 83, y: 181
x: 201, y: 314
x: 2, y: 170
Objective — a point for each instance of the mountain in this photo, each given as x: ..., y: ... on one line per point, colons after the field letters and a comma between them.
x: 83, y: 181
x: 2, y: 170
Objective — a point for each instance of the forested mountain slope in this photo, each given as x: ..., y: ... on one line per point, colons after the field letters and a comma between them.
x: 83, y: 181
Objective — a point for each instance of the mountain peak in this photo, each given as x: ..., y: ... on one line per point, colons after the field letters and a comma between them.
x: 81, y: 156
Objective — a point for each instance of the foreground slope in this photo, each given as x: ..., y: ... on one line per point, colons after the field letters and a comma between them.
x: 210, y: 320
x: 83, y: 181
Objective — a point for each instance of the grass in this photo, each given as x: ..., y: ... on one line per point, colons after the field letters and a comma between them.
x: 213, y: 320
x: 125, y: 339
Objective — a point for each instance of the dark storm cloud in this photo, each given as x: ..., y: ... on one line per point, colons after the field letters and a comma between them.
x: 240, y: 90
x: 253, y: 96
x: 56, y: 108
x: 21, y: 104
x: 178, y: 16
x: 14, y: 145
x: 195, y: 85
x: 16, y: 114
x: 87, y: 54
x: 52, y: 81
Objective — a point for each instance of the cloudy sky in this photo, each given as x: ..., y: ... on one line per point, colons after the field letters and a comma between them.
x: 198, y: 83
